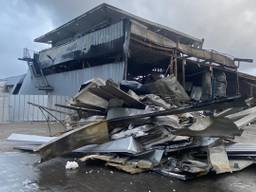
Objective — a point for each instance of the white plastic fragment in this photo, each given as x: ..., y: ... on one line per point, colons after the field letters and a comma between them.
x: 71, y: 165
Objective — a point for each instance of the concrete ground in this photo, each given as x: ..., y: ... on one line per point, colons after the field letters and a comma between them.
x: 21, y: 172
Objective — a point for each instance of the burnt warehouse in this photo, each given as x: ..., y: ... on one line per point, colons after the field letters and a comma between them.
x: 109, y: 43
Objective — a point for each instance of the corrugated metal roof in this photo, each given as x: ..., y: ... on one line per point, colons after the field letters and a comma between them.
x: 105, y: 13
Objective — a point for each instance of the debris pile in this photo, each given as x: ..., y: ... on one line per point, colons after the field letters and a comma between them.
x: 156, y: 126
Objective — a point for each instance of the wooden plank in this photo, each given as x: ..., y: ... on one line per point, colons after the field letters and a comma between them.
x: 94, y: 133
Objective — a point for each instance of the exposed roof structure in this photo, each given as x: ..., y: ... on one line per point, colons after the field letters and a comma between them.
x: 103, y: 15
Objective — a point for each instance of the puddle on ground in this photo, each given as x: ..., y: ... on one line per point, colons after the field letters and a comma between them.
x: 21, y: 172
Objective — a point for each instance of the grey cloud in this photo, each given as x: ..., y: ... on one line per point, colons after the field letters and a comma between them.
x: 228, y: 26
x: 19, y: 25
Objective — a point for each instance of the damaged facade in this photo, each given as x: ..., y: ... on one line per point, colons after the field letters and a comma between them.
x: 136, y: 132
x: 110, y: 43
x: 144, y: 98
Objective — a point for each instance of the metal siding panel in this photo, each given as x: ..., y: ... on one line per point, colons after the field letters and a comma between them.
x: 68, y: 83
x: 83, y: 43
x: 4, y: 108
x: 19, y: 109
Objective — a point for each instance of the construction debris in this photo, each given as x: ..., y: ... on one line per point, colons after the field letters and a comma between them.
x: 156, y: 127
x: 89, y: 134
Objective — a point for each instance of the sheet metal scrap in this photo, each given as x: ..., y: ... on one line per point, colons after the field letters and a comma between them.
x: 241, y: 149
x: 127, y: 145
x: 168, y: 173
x: 136, y: 132
x: 123, y: 112
x: 211, y: 127
x: 31, y: 139
x: 235, y: 101
x: 219, y: 159
x: 88, y: 134
x: 87, y: 99
x: 183, y: 169
x: 195, y: 166
x: 97, y: 93
x: 240, y: 114
x: 152, y: 99
x: 111, y: 91
x: 245, y: 120
x: 240, y: 164
x: 28, y: 142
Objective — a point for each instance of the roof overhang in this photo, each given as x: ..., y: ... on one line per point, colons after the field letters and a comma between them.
x: 103, y: 15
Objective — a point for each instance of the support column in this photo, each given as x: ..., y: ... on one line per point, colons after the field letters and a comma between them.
x: 126, y: 45
x: 184, y: 72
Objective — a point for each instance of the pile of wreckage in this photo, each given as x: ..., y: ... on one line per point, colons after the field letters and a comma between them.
x: 151, y: 127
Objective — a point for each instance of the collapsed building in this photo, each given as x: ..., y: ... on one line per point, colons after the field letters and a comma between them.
x: 109, y: 43
x: 144, y: 98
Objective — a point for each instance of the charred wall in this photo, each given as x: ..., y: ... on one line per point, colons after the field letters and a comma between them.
x: 103, y: 43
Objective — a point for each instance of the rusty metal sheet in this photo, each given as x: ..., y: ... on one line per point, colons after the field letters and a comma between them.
x: 94, y: 133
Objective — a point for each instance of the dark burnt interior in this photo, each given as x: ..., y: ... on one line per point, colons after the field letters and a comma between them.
x: 146, y: 63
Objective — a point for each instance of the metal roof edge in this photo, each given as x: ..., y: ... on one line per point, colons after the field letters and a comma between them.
x: 140, y: 19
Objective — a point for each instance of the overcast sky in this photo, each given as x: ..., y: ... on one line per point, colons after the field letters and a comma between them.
x: 228, y: 26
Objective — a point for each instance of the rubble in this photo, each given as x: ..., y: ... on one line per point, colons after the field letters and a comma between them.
x: 88, y: 134
x: 155, y: 127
